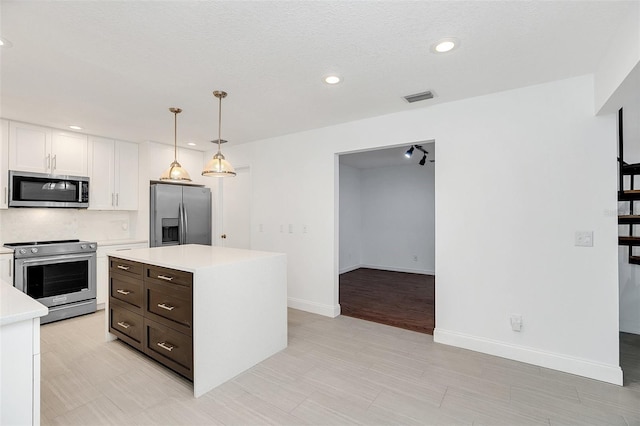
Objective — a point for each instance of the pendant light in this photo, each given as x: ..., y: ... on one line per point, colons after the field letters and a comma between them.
x: 175, y: 172
x: 218, y: 166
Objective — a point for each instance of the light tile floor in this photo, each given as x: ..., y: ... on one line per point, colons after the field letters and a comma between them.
x: 334, y: 372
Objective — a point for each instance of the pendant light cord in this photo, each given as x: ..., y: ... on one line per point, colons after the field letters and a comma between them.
x: 219, y: 122
x: 175, y: 136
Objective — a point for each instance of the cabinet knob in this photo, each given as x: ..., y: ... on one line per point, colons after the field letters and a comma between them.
x: 223, y: 236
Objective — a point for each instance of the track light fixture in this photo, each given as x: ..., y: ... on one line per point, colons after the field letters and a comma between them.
x: 421, y: 149
x: 409, y: 152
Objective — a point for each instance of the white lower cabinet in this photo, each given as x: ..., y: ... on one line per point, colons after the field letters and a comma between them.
x: 113, y: 170
x: 102, y: 267
x: 6, y: 268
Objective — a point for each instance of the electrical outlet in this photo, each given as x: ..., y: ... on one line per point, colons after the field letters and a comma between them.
x: 260, y: 228
x: 304, y: 229
x: 290, y: 228
x: 516, y: 322
x: 281, y: 228
x: 415, y: 258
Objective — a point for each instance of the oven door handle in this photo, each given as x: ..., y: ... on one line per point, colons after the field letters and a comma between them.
x: 45, y: 260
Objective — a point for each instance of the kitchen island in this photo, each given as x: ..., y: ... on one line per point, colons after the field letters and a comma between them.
x: 236, y: 315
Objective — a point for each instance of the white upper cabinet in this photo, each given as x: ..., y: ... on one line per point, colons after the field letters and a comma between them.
x: 69, y: 154
x: 101, y: 174
x: 40, y: 149
x: 113, y: 170
x: 126, y: 175
x: 4, y: 163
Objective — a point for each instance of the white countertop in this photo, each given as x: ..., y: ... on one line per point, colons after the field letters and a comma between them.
x: 191, y: 257
x: 15, y: 306
x: 120, y: 242
x: 5, y: 250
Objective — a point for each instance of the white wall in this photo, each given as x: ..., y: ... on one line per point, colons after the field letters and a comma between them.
x: 28, y: 224
x: 398, y: 218
x: 387, y: 218
x: 350, y: 219
x: 518, y: 173
x: 617, y: 64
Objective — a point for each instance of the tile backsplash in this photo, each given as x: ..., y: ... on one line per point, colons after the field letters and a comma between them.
x: 27, y: 224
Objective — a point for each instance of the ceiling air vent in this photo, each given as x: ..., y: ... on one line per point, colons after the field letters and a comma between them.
x: 419, y: 96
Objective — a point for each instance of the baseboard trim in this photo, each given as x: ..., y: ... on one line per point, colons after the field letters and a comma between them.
x: 313, y: 307
x: 349, y: 269
x: 396, y: 269
x: 630, y: 328
x: 568, y: 364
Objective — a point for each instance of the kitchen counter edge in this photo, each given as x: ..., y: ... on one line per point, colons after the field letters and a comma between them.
x: 15, y: 306
x: 192, y: 257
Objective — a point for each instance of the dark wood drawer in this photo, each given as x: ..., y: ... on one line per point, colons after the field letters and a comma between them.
x: 168, y: 276
x: 126, y: 325
x: 169, y: 305
x: 170, y: 347
x: 127, y: 267
x: 127, y: 289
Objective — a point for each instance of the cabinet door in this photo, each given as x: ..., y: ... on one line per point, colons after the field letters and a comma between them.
x: 29, y: 148
x: 69, y: 154
x: 6, y: 268
x: 4, y: 163
x: 126, y: 175
x: 101, y: 174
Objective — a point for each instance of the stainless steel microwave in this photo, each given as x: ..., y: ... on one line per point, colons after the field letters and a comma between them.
x: 27, y: 189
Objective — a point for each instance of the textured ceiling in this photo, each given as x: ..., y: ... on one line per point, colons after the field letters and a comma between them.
x: 115, y: 67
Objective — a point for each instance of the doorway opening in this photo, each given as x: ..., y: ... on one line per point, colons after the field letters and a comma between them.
x: 387, y: 235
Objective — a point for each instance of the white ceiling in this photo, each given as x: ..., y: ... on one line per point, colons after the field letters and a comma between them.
x: 115, y: 67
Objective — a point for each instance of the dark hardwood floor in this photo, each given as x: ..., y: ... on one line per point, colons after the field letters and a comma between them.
x: 398, y: 299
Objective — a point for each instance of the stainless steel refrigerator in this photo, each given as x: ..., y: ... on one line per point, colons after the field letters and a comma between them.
x: 179, y: 214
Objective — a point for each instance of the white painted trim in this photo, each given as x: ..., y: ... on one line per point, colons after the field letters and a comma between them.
x: 313, y: 307
x: 555, y: 361
x: 396, y: 269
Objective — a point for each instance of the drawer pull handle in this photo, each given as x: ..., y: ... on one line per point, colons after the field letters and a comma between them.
x: 168, y: 308
x: 164, y: 346
x: 124, y: 268
x: 124, y: 325
x: 121, y: 291
x: 164, y: 277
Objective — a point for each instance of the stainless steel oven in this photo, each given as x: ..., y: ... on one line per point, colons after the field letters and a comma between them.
x: 59, y: 274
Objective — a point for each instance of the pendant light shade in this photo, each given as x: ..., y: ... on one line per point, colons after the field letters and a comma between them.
x: 175, y: 172
x: 218, y: 166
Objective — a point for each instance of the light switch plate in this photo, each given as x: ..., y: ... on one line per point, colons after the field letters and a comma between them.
x: 584, y: 239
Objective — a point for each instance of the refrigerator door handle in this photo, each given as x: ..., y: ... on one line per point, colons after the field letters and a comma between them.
x: 185, y: 218
x: 180, y: 225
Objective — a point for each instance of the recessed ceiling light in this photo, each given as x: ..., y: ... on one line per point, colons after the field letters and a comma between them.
x: 73, y: 127
x: 191, y: 143
x: 5, y: 43
x: 332, y: 79
x: 445, y: 45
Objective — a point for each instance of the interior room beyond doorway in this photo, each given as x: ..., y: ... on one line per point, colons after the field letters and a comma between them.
x: 387, y: 236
